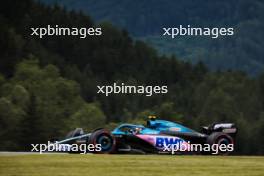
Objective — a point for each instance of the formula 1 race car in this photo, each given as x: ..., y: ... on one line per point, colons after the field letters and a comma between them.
x: 158, y: 136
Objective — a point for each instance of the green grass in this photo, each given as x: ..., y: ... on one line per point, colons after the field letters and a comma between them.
x: 129, y: 165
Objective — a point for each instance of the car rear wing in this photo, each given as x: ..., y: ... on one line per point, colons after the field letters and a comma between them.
x: 229, y: 128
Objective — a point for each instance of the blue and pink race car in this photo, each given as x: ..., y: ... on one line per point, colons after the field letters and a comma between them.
x: 158, y: 136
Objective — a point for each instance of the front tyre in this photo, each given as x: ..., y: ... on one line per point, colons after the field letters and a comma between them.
x: 105, y: 139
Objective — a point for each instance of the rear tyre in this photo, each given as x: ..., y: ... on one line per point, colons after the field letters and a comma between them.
x: 220, y: 138
x: 105, y: 139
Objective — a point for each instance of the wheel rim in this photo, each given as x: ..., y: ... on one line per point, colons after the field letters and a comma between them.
x: 105, y: 141
x: 223, y: 141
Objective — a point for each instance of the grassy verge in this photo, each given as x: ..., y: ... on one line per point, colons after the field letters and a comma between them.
x: 129, y: 165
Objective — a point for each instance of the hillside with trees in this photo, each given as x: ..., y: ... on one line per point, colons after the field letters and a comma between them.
x: 48, y: 86
x: 144, y: 19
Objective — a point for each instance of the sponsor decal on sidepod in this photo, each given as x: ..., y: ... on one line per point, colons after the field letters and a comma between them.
x: 162, y: 141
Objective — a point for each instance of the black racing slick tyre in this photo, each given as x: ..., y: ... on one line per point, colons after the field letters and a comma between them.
x: 221, y: 139
x: 105, y: 139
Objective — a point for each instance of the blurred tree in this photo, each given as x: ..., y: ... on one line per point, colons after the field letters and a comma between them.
x: 89, y: 116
